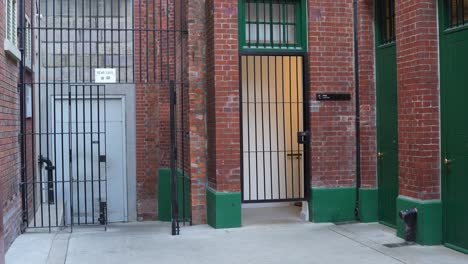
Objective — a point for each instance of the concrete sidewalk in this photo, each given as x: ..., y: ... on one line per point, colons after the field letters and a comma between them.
x: 150, y: 242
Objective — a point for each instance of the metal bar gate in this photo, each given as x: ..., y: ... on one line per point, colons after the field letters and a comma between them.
x: 75, y: 56
x: 274, y: 123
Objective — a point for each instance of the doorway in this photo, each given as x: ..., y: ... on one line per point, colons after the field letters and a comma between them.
x: 387, y: 112
x: 454, y: 77
x: 273, y: 124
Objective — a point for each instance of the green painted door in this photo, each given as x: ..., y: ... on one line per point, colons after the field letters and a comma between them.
x: 454, y: 81
x: 387, y: 133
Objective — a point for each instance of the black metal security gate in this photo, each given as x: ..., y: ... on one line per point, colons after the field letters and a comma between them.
x: 274, y: 128
x: 74, y: 53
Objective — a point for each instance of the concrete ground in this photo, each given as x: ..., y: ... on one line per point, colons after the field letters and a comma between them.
x: 284, y: 241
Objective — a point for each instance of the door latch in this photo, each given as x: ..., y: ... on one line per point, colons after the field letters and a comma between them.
x: 303, y: 137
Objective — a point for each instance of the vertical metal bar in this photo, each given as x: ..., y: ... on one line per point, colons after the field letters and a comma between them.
x: 263, y: 126
x: 61, y: 120
x: 277, y: 126
x: 140, y: 38
x: 264, y: 27
x: 126, y: 40
x: 242, y: 113
x: 91, y: 55
x: 284, y: 129
x: 119, y: 32
x: 99, y: 142
x: 269, y: 124
x: 112, y: 32
x: 54, y: 124
x: 147, y: 32
x: 70, y: 156
x: 248, y: 122
x: 290, y: 123
x: 257, y: 26
x: 47, y: 104
x: 85, y: 182
x: 63, y: 150
x: 22, y: 135
x: 160, y: 40
x: 255, y: 115
x: 98, y: 63
x: 174, y: 205
x: 92, y: 149
x: 39, y: 133
x: 83, y: 42
x: 306, y: 123
x: 33, y: 122
x: 105, y: 153
x: 298, y: 101
x: 77, y: 129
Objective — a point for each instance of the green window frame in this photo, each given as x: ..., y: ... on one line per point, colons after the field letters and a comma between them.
x: 269, y: 25
x: 386, y: 33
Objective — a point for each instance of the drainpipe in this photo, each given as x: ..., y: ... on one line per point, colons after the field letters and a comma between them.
x: 358, y: 110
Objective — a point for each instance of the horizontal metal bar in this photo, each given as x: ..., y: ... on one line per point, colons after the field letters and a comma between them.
x: 302, y: 199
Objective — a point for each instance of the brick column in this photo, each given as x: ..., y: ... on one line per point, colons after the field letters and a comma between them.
x: 418, y: 116
x: 368, y: 195
x: 197, y: 103
x: 223, y: 115
x: 333, y: 143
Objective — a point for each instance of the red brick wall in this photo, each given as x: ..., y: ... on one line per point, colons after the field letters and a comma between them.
x: 367, y: 93
x: 9, y: 146
x: 223, y: 96
x: 418, y: 98
x: 331, y: 69
x: 196, y: 50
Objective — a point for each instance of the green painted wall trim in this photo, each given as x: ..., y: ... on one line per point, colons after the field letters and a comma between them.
x: 368, y: 205
x: 223, y: 209
x: 429, y: 223
x: 164, y: 194
x: 332, y: 204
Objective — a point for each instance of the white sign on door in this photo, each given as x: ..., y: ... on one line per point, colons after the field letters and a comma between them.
x: 105, y: 76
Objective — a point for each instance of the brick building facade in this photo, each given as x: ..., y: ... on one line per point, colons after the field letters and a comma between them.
x: 403, y: 67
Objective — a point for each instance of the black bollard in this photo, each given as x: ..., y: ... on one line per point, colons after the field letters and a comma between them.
x: 409, y: 216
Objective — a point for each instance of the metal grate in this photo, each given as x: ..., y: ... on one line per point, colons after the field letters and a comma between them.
x: 273, y: 124
x: 457, y: 12
x: 271, y: 24
x: 64, y: 120
x: 387, y: 21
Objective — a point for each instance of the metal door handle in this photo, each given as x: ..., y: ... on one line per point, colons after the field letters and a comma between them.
x: 380, y: 154
x: 447, y: 162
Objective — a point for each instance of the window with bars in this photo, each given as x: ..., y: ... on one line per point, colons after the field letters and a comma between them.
x: 457, y: 12
x: 387, y: 21
x: 271, y: 24
x: 11, y: 21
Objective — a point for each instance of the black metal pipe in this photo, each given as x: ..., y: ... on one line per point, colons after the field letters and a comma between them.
x: 358, y: 110
x: 21, y: 137
x: 174, y: 205
x: 50, y: 179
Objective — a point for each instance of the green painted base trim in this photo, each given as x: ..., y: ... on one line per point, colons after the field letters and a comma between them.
x: 164, y: 195
x: 457, y: 248
x: 368, y: 205
x: 429, y: 223
x: 223, y: 209
x: 332, y: 204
